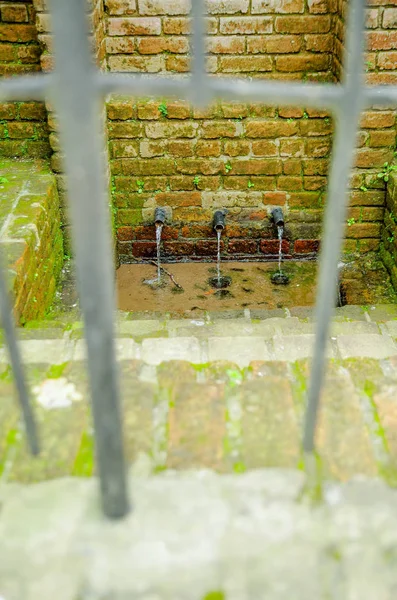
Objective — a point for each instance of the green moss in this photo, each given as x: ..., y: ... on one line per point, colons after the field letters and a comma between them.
x: 83, y: 465
x: 56, y: 371
x: 216, y: 595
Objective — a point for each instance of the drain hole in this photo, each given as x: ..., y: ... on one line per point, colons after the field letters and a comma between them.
x: 220, y: 282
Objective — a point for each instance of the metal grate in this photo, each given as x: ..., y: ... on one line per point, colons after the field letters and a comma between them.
x: 77, y: 90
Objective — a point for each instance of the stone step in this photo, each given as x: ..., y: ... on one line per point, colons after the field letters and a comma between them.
x: 217, y: 415
x: 200, y: 536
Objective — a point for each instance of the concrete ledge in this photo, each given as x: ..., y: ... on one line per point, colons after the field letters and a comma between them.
x: 197, y: 535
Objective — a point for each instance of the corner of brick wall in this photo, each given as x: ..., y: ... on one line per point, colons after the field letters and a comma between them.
x: 23, y: 128
x: 388, y: 248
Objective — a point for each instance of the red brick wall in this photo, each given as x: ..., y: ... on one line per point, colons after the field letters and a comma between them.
x: 23, y: 129
x: 242, y: 158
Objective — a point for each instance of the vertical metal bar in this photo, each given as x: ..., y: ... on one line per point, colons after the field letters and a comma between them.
x: 77, y: 104
x: 16, y: 364
x: 199, y: 85
x: 336, y: 210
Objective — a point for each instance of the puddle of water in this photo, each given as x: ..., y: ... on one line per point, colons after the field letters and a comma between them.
x: 363, y: 282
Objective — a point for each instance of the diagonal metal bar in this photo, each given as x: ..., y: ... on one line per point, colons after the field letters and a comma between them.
x: 16, y: 364
x: 78, y: 108
x: 335, y: 216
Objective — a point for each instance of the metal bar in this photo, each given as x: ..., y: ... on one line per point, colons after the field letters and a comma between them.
x: 199, y: 88
x: 16, y: 364
x: 271, y: 92
x: 335, y: 216
x: 26, y: 87
x: 381, y: 94
x: 78, y: 108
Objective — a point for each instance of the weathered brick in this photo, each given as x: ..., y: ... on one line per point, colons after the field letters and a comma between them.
x: 163, y: 7
x: 120, y: 110
x: 17, y: 33
x: 302, y: 62
x: 386, y: 137
x: 124, y: 130
x: 273, y: 44
x: 177, y: 199
x: 245, y: 64
x: 220, y: 129
x: 151, y: 166
x: 178, y: 248
x: 134, y: 26
x: 226, y: 45
x: 377, y: 119
x: 271, y: 247
x: 257, y: 167
x: 289, y: 182
x: 133, y: 64
x: 178, y: 110
x: 242, y: 246
x: 237, y: 148
x: 382, y: 40
x: 199, y: 166
x: 313, y: 127
x: 212, y: 148
x: 306, y: 246
x: 315, y: 166
x: 369, y: 198
x: 181, y: 148
x: 270, y: 129
x: 144, y: 249
x: 290, y: 112
x: 317, y: 147
x: 389, y: 20
x: 179, y: 64
x: 363, y: 230
x: 303, y: 24
x: 208, y: 247
x: 278, y: 198
x: 317, y: 7
x: 281, y: 6
x: 293, y: 147
x: 125, y: 233
x: 121, y: 148
x: 319, y: 43
x: 245, y: 25
x: 387, y: 60
x: 14, y: 13
x: 227, y: 7
x: 369, y: 158
x: 171, y: 130
x: 121, y: 7
x: 155, y: 45
x: 234, y: 111
x: 264, y: 148
x: 303, y: 199
x: 120, y: 45
x: 371, y: 18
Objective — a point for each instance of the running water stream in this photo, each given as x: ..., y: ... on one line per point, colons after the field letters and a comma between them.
x: 218, y: 264
x: 159, y: 228
x: 280, y: 231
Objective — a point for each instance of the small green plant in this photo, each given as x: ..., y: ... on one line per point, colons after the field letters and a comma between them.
x: 196, y: 181
x: 386, y: 170
x: 140, y: 185
x: 228, y: 167
x: 3, y: 180
x: 290, y: 120
x: 163, y: 109
x: 363, y: 188
x: 327, y: 120
x: 305, y: 115
x: 351, y: 222
x: 250, y: 184
x: 391, y: 239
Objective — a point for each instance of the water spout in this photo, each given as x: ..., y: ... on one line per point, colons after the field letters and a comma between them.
x: 219, y: 225
x: 219, y: 220
x: 159, y: 220
x: 278, y: 218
